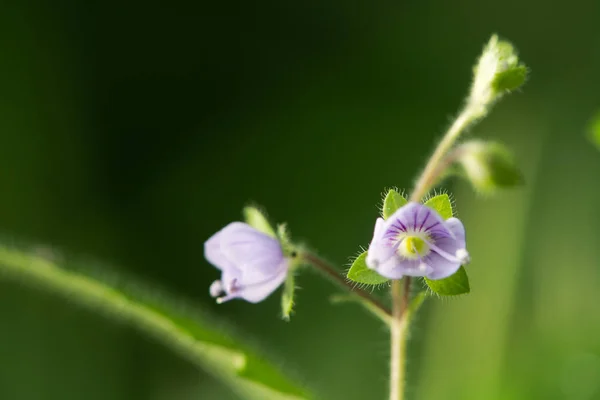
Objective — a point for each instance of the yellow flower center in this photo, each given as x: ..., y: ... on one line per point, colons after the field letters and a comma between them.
x: 413, y: 247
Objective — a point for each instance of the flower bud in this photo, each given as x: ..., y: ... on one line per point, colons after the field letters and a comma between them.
x: 497, y: 72
x: 488, y: 166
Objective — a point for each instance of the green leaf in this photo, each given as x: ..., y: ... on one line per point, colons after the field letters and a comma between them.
x: 594, y: 130
x: 287, y: 297
x: 256, y: 219
x: 455, y: 284
x: 189, y: 334
x: 392, y: 202
x: 442, y: 204
x: 360, y: 273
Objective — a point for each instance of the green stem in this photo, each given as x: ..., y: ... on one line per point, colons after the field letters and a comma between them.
x: 432, y: 172
x: 400, y: 296
x: 400, y: 321
x: 225, y: 363
x: 373, y: 305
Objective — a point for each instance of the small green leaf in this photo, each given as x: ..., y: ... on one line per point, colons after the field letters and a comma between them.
x: 594, y: 130
x: 442, y: 204
x: 393, y: 201
x: 360, y: 273
x: 287, y: 297
x: 455, y: 284
x: 256, y: 219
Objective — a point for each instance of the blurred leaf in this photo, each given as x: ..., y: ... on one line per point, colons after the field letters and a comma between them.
x: 256, y: 219
x: 594, y: 130
x: 392, y: 202
x: 192, y: 336
x: 442, y: 204
x: 360, y: 273
x: 287, y: 297
x: 455, y: 284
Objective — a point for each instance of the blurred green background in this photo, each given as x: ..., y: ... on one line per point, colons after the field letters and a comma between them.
x: 131, y: 131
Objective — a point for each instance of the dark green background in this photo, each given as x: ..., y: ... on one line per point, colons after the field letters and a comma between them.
x: 131, y: 131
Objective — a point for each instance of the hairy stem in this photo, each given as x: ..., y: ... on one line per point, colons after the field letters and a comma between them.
x: 333, y: 275
x: 400, y: 320
x: 432, y: 172
x: 401, y: 296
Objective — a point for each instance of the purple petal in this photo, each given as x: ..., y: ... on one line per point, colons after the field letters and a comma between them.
x: 457, y: 228
x: 255, y: 254
x: 440, y: 267
x: 212, y: 248
x: 397, y: 267
x: 416, y: 217
x: 258, y: 292
x: 380, y: 250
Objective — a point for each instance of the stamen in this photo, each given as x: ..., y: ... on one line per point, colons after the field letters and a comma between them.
x: 233, y: 287
x: 223, y: 299
x: 461, y: 256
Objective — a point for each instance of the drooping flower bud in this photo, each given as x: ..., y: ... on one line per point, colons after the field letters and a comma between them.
x: 488, y: 166
x: 252, y: 263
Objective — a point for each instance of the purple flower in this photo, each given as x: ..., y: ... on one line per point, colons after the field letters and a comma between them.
x: 252, y: 263
x: 416, y: 241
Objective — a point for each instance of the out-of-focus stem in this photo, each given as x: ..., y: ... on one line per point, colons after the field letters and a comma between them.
x: 333, y: 275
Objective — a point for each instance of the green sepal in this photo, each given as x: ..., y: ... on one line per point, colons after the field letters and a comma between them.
x: 511, y: 79
x: 442, y: 204
x: 256, y: 219
x: 392, y: 202
x: 455, y: 284
x: 360, y: 273
x: 287, y: 296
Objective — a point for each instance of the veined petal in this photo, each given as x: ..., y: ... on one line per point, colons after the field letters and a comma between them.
x: 415, y: 217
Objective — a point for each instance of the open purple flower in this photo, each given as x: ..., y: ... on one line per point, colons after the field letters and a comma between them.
x: 417, y: 241
x: 252, y: 263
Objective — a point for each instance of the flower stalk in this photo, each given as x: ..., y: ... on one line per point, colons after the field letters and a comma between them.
x: 331, y: 273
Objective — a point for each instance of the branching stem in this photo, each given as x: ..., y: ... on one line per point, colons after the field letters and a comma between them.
x: 333, y: 275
